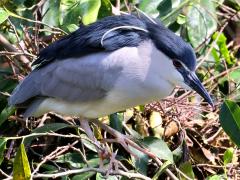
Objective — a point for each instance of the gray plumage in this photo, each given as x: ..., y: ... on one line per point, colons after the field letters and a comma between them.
x: 72, y: 80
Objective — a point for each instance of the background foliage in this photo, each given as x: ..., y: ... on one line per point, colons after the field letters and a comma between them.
x: 187, y: 139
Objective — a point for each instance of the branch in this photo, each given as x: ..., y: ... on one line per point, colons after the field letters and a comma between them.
x: 78, y: 171
x: 9, y: 47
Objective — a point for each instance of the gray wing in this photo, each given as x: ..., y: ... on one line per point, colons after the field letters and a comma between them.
x: 75, y: 80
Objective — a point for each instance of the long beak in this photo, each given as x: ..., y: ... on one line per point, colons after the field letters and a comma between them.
x: 192, y: 81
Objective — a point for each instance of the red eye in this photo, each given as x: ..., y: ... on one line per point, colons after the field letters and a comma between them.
x: 177, y: 64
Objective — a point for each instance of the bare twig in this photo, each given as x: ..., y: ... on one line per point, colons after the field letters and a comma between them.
x: 9, y: 47
x: 52, y: 155
x: 3, y: 173
x: 4, y: 53
x: 79, y: 171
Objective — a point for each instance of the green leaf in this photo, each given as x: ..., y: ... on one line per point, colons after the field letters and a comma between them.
x: 6, y: 112
x: 105, y: 9
x: 21, y: 167
x: 89, y: 10
x: 201, y: 21
x: 228, y: 156
x: 230, y: 121
x: 165, y: 8
x: 232, y: 76
x: 3, y: 15
x: 72, y: 27
x: 3, y: 142
x: 176, y: 8
x: 6, y: 85
x: 49, y: 168
x: 87, y: 143
x: 70, y: 10
x: 222, y: 45
x: 161, y: 170
x: 75, y: 160
x: 150, y: 7
x: 216, y: 56
x: 52, y: 127
x: 178, y: 152
x: 186, y: 168
x: 158, y: 147
x: 140, y: 162
x: 101, y: 177
x: 216, y: 177
x: 116, y: 120
x: 51, y: 9
x: 181, y: 19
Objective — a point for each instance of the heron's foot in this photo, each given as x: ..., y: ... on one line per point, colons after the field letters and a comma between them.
x: 122, y: 139
x: 103, y: 149
x: 113, y: 164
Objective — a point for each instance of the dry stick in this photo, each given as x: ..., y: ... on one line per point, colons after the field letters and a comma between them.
x: 127, y: 6
x: 184, y: 175
x: 8, y: 46
x: 33, y: 21
x: 45, y: 134
x: 116, y: 8
x: 213, y: 166
x: 57, y: 152
x: 123, y: 138
x: 38, y: 5
x: 16, y: 34
x: 3, y: 173
x: 226, y: 8
x: 16, y: 54
x: 81, y: 154
x: 221, y: 74
x: 78, y: 171
x: 214, y: 136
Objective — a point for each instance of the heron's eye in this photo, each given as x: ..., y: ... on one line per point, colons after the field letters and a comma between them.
x: 177, y: 64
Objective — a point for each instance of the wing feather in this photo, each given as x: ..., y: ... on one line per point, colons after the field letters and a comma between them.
x: 74, y: 80
x: 80, y: 80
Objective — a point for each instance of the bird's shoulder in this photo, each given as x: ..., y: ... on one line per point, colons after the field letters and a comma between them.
x: 103, y: 35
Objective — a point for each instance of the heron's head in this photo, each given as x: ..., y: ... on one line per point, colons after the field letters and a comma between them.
x: 180, y: 70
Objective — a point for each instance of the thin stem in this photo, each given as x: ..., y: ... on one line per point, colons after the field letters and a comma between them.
x: 78, y: 171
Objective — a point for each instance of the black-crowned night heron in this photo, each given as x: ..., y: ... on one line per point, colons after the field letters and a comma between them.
x: 111, y: 65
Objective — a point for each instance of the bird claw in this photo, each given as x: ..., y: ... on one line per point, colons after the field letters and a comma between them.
x: 118, y: 138
x: 113, y: 164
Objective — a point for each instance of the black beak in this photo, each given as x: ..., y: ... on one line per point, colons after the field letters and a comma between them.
x: 192, y: 81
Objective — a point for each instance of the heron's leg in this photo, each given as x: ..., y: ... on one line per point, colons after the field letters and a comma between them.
x: 85, y: 126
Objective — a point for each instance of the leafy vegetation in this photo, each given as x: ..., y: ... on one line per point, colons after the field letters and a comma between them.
x: 179, y: 137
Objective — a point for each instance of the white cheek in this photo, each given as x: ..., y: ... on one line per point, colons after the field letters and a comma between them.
x: 185, y: 86
x: 178, y: 80
x: 166, y: 70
